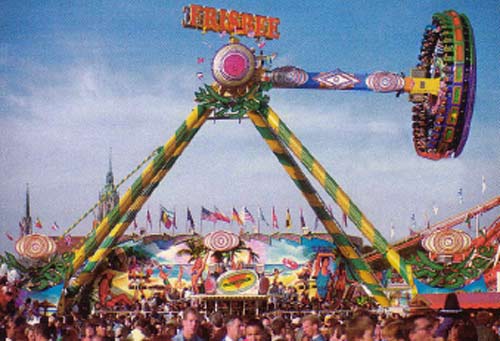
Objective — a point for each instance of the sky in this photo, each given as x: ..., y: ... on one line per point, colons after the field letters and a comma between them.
x: 79, y: 79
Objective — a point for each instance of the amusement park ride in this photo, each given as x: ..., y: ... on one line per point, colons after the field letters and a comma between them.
x: 442, y: 88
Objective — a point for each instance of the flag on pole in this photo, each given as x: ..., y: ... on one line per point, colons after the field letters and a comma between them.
x: 274, y: 219
x: 221, y: 216
x: 9, y: 236
x: 435, y: 208
x: 302, y: 220
x: 149, y: 221
x: 190, y: 219
x: 236, y: 217
x: 460, y: 196
x: 288, y: 219
x: 316, y: 223
x: 38, y: 223
x: 483, y: 185
x: 167, y: 217
x: 344, y: 219
x: 208, y: 215
x: 262, y: 218
x: 467, y: 221
x: 54, y: 226
x: 413, y: 221
x: 248, y: 216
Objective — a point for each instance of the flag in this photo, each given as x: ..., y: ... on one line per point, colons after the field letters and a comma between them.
x: 261, y: 217
x: 54, y: 226
x: 248, y: 216
x: 236, y: 217
x: 302, y: 220
x: 316, y: 223
x: 221, y: 216
x: 392, y: 230
x: 167, y: 217
x: 483, y: 185
x: 288, y: 219
x: 467, y: 221
x: 200, y: 60
x: 435, y: 208
x: 9, y: 236
x: 67, y: 239
x: 135, y: 223
x: 413, y: 221
x: 344, y: 219
x: 199, y: 75
x: 149, y: 221
x: 38, y: 223
x: 190, y: 219
x: 208, y: 215
x: 427, y: 221
x: 274, y: 219
x: 460, y: 196
x: 412, y: 232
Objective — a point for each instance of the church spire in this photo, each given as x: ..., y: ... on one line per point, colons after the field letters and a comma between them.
x: 26, y: 222
x: 109, y: 177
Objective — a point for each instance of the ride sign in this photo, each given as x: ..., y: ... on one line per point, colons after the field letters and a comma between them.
x: 230, y: 21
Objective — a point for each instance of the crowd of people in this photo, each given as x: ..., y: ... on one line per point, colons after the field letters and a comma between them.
x: 420, y: 324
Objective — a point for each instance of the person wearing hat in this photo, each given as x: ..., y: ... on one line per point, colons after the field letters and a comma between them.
x: 450, y: 313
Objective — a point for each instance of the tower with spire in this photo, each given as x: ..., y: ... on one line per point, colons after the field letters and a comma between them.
x: 108, y: 197
x: 26, y: 224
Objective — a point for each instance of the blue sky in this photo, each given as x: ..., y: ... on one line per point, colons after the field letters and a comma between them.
x: 77, y: 80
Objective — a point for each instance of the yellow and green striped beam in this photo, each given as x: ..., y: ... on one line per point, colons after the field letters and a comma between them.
x: 96, y: 236
x: 337, y: 194
x: 117, y: 231
x: 360, y: 267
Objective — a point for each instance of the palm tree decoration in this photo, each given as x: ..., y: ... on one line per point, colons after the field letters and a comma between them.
x: 195, y: 249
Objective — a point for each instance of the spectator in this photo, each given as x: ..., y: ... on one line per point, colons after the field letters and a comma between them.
x: 190, y: 324
x: 233, y: 331
x: 360, y: 328
x: 310, y: 326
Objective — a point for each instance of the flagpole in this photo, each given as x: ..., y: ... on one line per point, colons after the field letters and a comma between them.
x: 477, y: 225
x: 258, y: 220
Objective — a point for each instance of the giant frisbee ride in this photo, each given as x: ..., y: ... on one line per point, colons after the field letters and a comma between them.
x: 442, y: 87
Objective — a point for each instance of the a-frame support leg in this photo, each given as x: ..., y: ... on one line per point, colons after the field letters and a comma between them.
x: 361, y: 269
x: 338, y: 195
x: 130, y: 204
